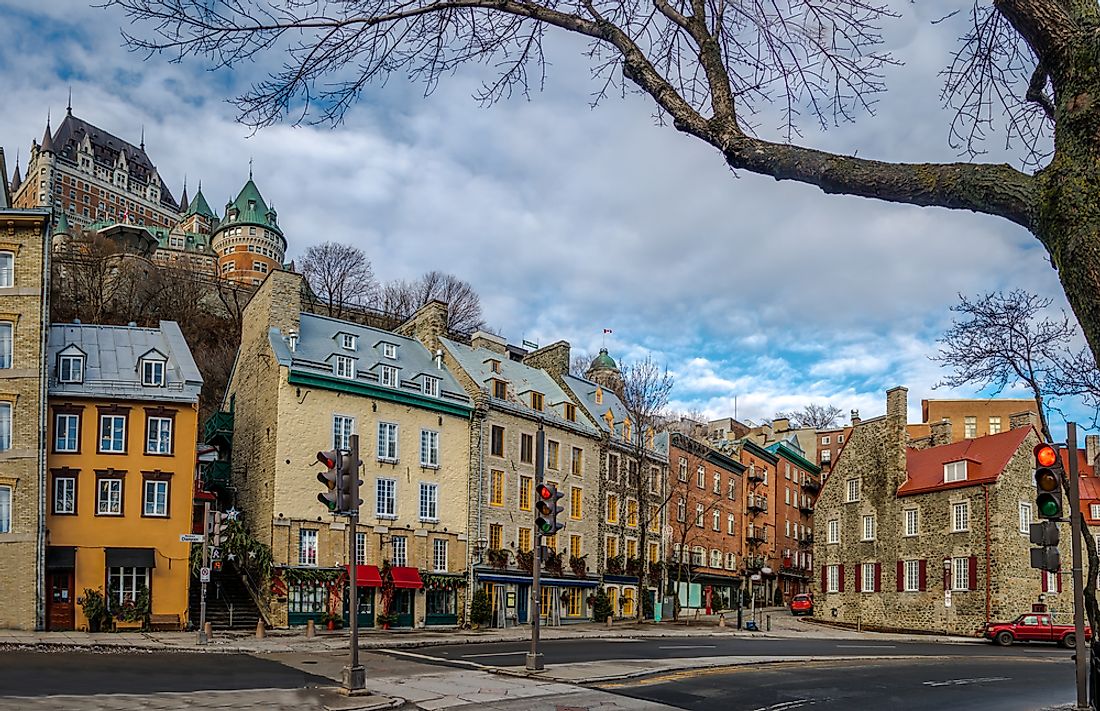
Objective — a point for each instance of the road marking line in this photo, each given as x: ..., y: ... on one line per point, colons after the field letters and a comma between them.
x: 690, y: 646
x: 966, y: 682
x: 492, y: 654
x: 425, y: 657
x: 783, y: 705
x: 866, y: 646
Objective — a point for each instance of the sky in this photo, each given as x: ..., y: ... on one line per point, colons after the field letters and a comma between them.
x: 759, y: 296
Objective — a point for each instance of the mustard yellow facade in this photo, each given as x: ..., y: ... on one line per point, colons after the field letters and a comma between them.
x: 120, y: 473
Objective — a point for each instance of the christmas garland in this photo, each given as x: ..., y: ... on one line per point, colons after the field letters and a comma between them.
x: 442, y: 582
x: 306, y: 576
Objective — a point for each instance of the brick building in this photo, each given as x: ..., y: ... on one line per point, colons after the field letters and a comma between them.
x: 248, y: 241
x: 974, y: 417
x: 934, y: 536
x: 24, y: 236
x: 705, y: 514
x: 792, y: 516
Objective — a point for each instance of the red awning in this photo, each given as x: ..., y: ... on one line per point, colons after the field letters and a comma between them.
x: 367, y: 576
x: 406, y: 578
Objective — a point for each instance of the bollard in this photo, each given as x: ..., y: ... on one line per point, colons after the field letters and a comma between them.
x: 722, y: 622
x: 259, y: 629
x: 311, y: 630
x: 769, y: 623
x: 609, y: 618
x: 209, y: 629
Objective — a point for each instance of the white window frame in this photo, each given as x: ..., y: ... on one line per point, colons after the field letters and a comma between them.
x: 66, y: 372
x: 153, y: 372
x: 731, y: 524
x: 348, y: 341
x: 66, y: 424
x: 111, y: 505
x: 343, y: 427
x: 158, y: 435
x: 683, y: 471
x: 429, y: 501
x: 995, y: 424
x: 867, y: 578
x: 911, y: 576
x: 430, y: 386
x: 970, y: 427
x: 7, y: 269
x: 957, y: 508
x: 833, y: 531
x: 307, y: 547
x: 360, y: 548
x: 954, y: 471
x: 400, y: 551
x: 7, y: 344
x: 868, y: 532
x: 826, y: 456
x: 389, y: 350
x: 851, y: 491
x: 388, y: 376
x: 429, y: 449
x: 960, y: 574
x: 1094, y: 510
x: 153, y: 505
x: 385, y: 499
x: 825, y: 439
x: 439, y: 555
x: 387, y: 442
x: 64, y: 495
x: 343, y: 366
x: 699, y: 511
x: 716, y: 520
x: 1026, y: 516
x: 911, y: 516
x: 103, y: 419
x: 832, y: 576
x: 5, y: 509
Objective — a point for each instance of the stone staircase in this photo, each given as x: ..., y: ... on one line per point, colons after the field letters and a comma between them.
x: 228, y: 604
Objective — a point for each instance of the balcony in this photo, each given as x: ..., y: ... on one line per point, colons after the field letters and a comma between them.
x: 756, y: 475
x: 216, y: 475
x: 757, y: 505
x: 807, y: 541
x: 811, y: 485
x: 756, y: 536
x: 218, y: 430
x: 806, y: 508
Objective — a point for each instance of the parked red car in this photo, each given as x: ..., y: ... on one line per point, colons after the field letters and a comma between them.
x: 1031, y: 627
x: 802, y: 604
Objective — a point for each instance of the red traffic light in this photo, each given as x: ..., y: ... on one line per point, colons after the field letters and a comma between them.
x: 327, y: 458
x: 543, y: 491
x: 1045, y: 455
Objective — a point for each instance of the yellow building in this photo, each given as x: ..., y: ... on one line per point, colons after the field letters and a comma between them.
x: 123, y: 413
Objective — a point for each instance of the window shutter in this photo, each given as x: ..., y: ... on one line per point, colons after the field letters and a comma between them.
x: 972, y: 579
x: 1045, y: 578
x: 878, y: 577
x: 901, y: 575
x: 840, y: 577
x: 824, y: 578
x: 859, y: 577
x: 1059, y: 581
x: 922, y: 575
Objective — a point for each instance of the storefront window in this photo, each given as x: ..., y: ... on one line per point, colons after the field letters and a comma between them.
x: 306, y: 599
x: 441, y: 602
x: 126, y: 583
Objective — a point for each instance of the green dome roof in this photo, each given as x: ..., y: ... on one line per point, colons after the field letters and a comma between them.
x: 603, y: 361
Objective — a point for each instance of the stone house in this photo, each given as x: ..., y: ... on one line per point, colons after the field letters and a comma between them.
x: 24, y: 238
x: 304, y: 383
x: 704, y: 518
x: 513, y: 400
x: 930, y: 534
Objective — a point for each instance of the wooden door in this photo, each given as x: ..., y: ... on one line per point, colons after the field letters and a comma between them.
x: 60, y: 610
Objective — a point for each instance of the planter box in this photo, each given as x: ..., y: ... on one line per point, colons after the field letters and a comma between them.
x: 135, y: 626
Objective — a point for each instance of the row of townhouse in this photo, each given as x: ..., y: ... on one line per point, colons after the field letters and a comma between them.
x: 447, y: 436
x: 931, y: 532
x: 97, y: 440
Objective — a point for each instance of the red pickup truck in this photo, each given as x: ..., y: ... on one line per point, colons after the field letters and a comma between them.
x: 1031, y: 627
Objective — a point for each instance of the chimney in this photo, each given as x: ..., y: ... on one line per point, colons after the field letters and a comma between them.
x: 489, y: 341
x: 554, y: 359
x: 1092, y: 448
x: 855, y: 417
x: 426, y: 325
x: 941, y: 432
x: 439, y: 359
x: 1023, y: 419
x: 781, y: 424
x: 897, y: 405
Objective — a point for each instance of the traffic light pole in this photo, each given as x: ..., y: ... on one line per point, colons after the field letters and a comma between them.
x: 1075, y: 549
x: 355, y: 676
x: 534, y: 658
x: 205, y: 566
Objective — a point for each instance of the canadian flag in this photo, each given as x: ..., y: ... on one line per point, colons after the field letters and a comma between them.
x: 607, y: 330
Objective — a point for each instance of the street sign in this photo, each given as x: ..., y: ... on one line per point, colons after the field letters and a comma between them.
x: 190, y: 538
x: 204, y: 575
x: 947, y: 598
x: 215, y: 553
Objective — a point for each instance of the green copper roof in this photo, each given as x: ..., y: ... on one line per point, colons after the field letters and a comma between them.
x: 62, y: 224
x: 199, y: 205
x: 250, y: 209
x: 603, y: 361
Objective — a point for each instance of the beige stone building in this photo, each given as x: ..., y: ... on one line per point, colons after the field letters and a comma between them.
x: 23, y: 313
x: 513, y: 400
x: 304, y: 383
x: 931, y: 534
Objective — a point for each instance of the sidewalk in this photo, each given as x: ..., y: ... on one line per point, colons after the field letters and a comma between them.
x: 782, y: 626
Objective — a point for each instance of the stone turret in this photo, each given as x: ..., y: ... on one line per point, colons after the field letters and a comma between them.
x: 605, y: 373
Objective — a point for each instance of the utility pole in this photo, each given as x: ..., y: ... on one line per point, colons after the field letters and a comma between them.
x: 355, y: 676
x: 1075, y: 549
x: 204, y: 571
x: 534, y: 658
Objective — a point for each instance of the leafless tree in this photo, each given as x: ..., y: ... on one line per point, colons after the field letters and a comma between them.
x: 463, y: 303
x: 819, y: 417
x: 709, y: 67
x: 340, y: 275
x: 1005, y: 340
x: 579, y: 364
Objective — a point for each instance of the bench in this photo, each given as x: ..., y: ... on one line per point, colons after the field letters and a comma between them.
x: 128, y: 626
x: 164, y: 623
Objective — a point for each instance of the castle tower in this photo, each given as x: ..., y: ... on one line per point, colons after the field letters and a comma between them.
x: 198, y: 217
x: 604, y: 372
x: 248, y: 240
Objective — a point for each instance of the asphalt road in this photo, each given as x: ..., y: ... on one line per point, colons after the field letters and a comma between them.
x: 569, y: 651
x: 1011, y: 683
x: 29, y: 673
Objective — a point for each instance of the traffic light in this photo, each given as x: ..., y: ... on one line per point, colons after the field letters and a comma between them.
x: 218, y: 522
x: 348, y: 483
x: 1048, y: 483
x: 547, y: 509
x: 1046, y: 556
x: 330, y: 478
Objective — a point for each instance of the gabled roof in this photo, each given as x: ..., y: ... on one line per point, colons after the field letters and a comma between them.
x: 250, y: 209
x: 5, y: 196
x: 111, y: 364
x: 790, y: 449
x: 585, y: 392
x: 991, y: 454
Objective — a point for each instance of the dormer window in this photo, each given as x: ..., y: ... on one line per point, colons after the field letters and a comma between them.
x: 536, y: 401
x: 599, y: 396
x: 626, y: 430
x: 570, y: 412
x: 954, y: 471
x: 494, y: 366
x: 347, y: 341
x: 389, y: 350
x: 343, y: 366
x: 388, y: 376
x: 430, y: 386
x: 70, y: 368
x: 500, y: 390
x: 152, y: 372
